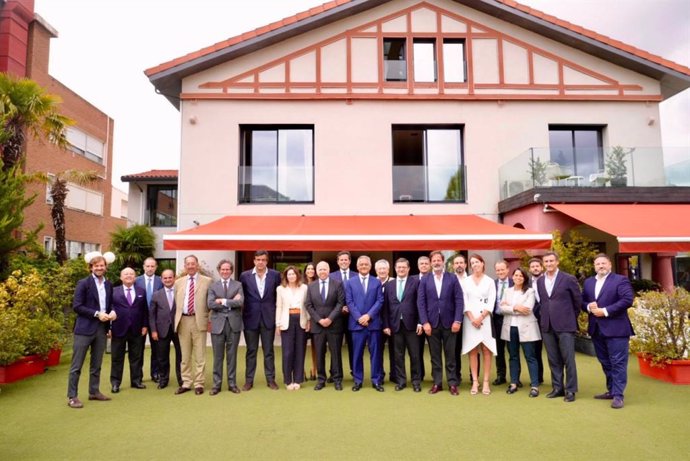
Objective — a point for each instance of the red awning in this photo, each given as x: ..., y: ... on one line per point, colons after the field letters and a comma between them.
x: 356, y: 233
x: 639, y: 228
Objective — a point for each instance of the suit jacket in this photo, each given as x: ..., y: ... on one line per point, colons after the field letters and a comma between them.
x: 360, y: 303
x: 130, y: 319
x: 140, y: 282
x: 200, y: 296
x: 559, y: 311
x: 528, y: 325
x: 537, y: 304
x: 497, y: 309
x: 400, y: 313
x: 440, y: 310
x: 338, y: 275
x: 616, y: 296
x: 330, y: 308
x: 86, y: 303
x: 161, y: 314
x: 231, y: 309
x: 284, y: 302
x: 258, y: 310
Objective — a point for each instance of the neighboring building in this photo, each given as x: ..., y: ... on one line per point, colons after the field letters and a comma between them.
x: 24, y: 52
x: 153, y: 202
x: 118, y: 204
x: 424, y: 113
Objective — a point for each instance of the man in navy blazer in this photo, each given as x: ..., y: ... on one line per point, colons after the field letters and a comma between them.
x: 128, y: 331
x: 92, y: 302
x: 560, y: 299
x: 401, y: 322
x: 441, y: 307
x: 364, y: 299
x: 150, y: 283
x: 259, y: 316
x: 607, y: 297
x: 343, y: 274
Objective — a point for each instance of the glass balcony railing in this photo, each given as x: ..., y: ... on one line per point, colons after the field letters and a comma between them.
x: 595, y: 167
x: 276, y: 184
x: 429, y: 183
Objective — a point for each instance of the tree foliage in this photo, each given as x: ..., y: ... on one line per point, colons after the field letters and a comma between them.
x: 131, y: 245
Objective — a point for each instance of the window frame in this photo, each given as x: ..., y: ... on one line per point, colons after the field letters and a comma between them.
x: 152, y: 191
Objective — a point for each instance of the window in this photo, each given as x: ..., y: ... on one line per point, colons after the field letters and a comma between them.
x: 77, y: 249
x: 48, y: 244
x: 83, y: 144
x: 394, y: 60
x: 49, y: 198
x: 577, y: 150
x: 162, y: 205
x: 454, y: 61
x: 424, y: 60
x: 82, y: 199
x: 277, y: 164
x: 427, y: 164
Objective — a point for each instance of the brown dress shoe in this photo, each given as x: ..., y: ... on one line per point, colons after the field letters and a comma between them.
x: 182, y: 390
x: 198, y: 390
x: 214, y: 391
x: 436, y: 388
x: 234, y: 389
x: 453, y: 390
x: 100, y: 397
x: 273, y: 385
x: 247, y: 387
x: 75, y: 403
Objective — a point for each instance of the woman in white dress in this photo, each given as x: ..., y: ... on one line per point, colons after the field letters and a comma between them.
x: 480, y: 298
x: 293, y: 321
x: 521, y: 328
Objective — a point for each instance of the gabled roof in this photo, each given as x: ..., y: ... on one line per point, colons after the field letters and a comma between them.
x: 151, y: 175
x: 167, y: 77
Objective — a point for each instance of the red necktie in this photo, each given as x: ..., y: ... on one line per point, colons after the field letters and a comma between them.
x: 190, y: 302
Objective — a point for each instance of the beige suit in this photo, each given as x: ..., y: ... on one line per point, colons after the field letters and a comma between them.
x: 528, y: 325
x: 191, y: 330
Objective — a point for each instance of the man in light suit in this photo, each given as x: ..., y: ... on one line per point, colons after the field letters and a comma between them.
x: 560, y: 300
x: 325, y: 300
x: 364, y: 299
x: 607, y: 297
x: 128, y: 331
x: 93, y: 297
x: 150, y: 283
x: 161, y: 324
x: 191, y: 323
x: 401, y: 323
x: 259, y: 315
x: 441, y: 307
x: 225, y: 299
x: 535, y: 270
x: 343, y: 274
x: 503, y: 282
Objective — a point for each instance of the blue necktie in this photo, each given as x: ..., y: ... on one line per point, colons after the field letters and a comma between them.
x: 149, y: 291
x: 323, y: 290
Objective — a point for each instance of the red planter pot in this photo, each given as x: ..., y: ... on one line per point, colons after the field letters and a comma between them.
x: 53, y: 358
x: 23, y: 368
x: 676, y: 372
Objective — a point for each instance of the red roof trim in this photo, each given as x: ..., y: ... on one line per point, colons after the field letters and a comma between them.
x: 330, y: 5
x: 151, y: 174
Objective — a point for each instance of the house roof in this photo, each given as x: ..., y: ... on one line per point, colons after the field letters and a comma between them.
x: 167, y: 77
x: 151, y: 175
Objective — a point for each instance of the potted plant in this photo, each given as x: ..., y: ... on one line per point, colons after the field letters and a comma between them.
x: 616, y: 167
x: 537, y: 171
x: 583, y: 341
x: 662, y: 335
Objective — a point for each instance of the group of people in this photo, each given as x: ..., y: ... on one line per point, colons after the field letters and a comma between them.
x: 457, y: 313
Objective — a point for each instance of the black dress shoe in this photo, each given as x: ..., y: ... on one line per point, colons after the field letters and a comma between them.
x: 234, y: 389
x: 519, y: 384
x: 499, y: 380
x: 138, y: 386
x: 214, y: 391
x: 338, y: 386
x: 512, y: 389
x: 198, y: 390
x: 330, y: 379
x: 162, y: 385
x: 534, y: 392
x: 569, y: 397
x: 319, y: 386
x: 399, y: 387
x: 115, y: 389
x: 435, y: 389
x: 155, y: 378
x: 605, y: 396
x: 356, y: 387
x: 417, y: 388
x: 378, y: 387
x: 554, y: 393
x: 617, y: 403
x: 182, y: 390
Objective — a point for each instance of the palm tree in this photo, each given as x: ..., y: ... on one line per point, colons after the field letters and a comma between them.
x: 25, y: 108
x: 132, y: 245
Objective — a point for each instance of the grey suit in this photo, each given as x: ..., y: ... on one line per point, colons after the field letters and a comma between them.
x: 333, y: 335
x: 226, y: 326
x: 161, y: 322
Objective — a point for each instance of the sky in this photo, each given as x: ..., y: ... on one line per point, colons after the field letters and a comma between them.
x: 104, y: 46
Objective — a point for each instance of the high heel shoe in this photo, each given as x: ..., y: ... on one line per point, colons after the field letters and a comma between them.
x: 486, y: 390
x: 475, y: 388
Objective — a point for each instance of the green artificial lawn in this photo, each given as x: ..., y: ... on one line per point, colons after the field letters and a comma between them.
x: 35, y: 422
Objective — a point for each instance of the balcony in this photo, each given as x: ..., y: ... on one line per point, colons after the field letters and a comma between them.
x: 429, y: 184
x: 276, y: 184
x: 618, y: 166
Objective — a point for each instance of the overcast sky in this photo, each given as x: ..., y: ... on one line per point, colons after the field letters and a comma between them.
x: 104, y: 46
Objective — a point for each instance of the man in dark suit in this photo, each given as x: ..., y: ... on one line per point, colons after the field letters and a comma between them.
x: 364, y: 298
x: 128, y: 331
x: 607, y: 297
x: 259, y: 315
x: 151, y: 283
x: 161, y: 324
x: 441, y: 307
x: 401, y: 323
x: 503, y: 282
x: 343, y: 274
x: 225, y: 299
x: 93, y: 298
x: 535, y: 270
x: 560, y: 300
x: 325, y: 300
x: 424, y: 268
x: 460, y: 270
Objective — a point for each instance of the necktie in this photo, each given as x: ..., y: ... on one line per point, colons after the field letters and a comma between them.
x: 400, y: 289
x: 364, y: 284
x: 190, y: 302
x: 149, y: 290
x: 344, y: 275
x: 323, y: 290
x: 225, y: 289
x: 170, y: 298
x: 503, y: 289
x: 129, y: 296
